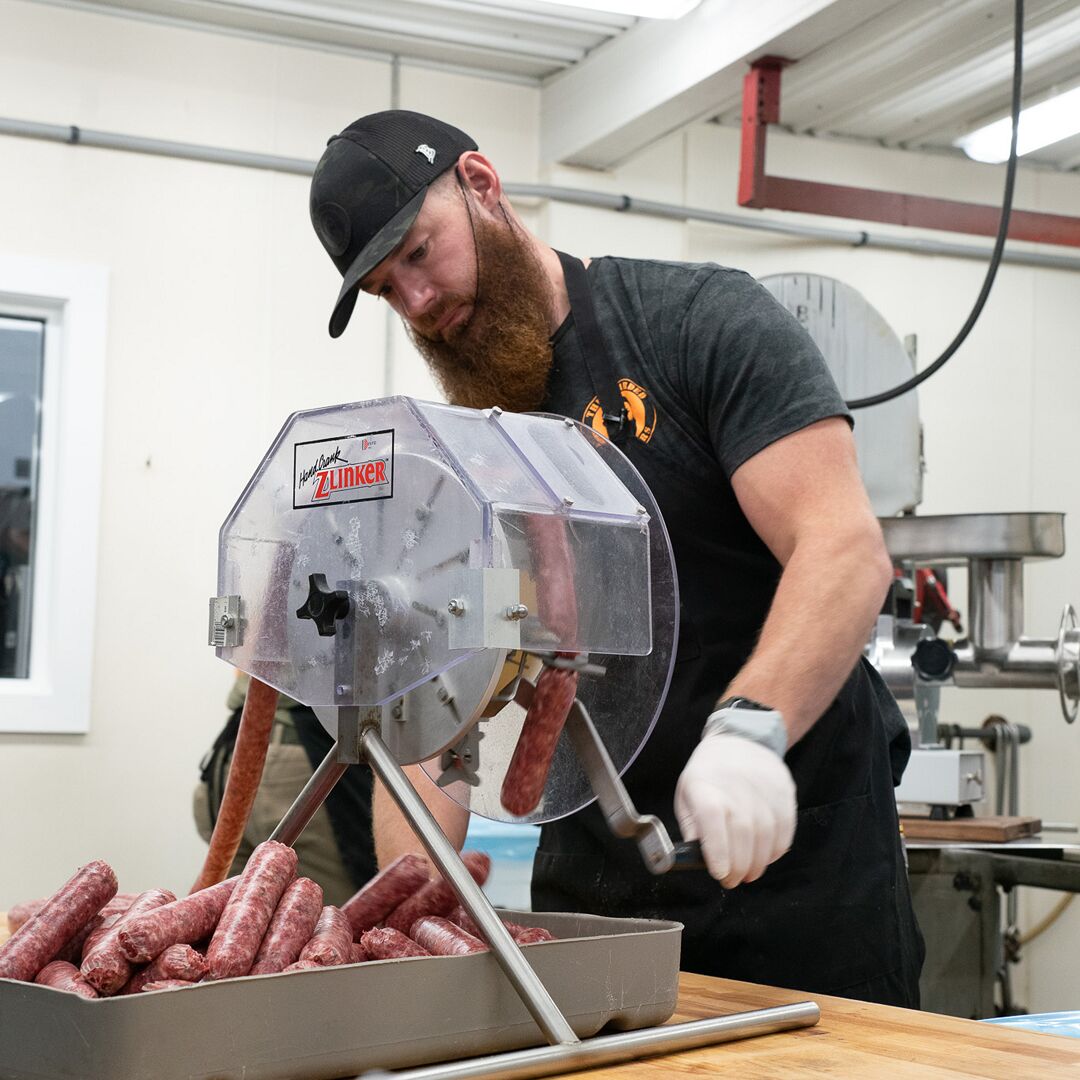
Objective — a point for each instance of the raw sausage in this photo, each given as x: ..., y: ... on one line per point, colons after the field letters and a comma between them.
x: 303, y: 965
x: 384, y: 892
x: 331, y: 942
x: 384, y: 943
x: 533, y: 935
x: 100, y: 927
x: 441, y: 937
x: 527, y: 773
x: 553, y: 568
x: 437, y: 897
x: 240, y: 930
x: 463, y: 919
x: 291, y: 927
x: 357, y: 953
x: 523, y: 935
x: 184, y: 921
x: 176, y: 962
x: 167, y: 984
x: 61, y: 975
x: 245, y: 772
x: 62, y: 916
x: 77, y: 947
x: 19, y: 913
x: 105, y: 967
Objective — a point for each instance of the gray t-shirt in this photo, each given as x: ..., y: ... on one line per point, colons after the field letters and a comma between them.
x: 717, y: 353
x: 714, y: 370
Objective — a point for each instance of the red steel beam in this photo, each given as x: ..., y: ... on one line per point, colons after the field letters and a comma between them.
x: 761, y: 107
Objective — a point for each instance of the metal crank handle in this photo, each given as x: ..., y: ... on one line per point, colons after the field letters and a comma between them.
x: 688, y: 856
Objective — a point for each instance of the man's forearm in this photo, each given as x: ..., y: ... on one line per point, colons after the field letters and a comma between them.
x: 829, y: 595
x: 394, y: 835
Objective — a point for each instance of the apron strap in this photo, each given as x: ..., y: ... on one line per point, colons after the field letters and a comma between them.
x: 597, y: 359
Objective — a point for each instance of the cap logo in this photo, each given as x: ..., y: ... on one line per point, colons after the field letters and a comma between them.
x: 427, y: 151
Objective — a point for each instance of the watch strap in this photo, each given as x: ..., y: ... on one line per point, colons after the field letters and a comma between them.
x: 754, y: 722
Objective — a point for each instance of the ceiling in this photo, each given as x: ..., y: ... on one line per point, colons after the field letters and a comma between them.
x: 904, y: 73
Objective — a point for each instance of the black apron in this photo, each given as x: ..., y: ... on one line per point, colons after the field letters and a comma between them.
x: 834, y: 914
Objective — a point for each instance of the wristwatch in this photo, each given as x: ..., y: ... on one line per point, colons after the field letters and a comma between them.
x: 750, y: 719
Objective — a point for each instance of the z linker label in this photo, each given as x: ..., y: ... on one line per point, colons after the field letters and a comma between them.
x: 351, y: 468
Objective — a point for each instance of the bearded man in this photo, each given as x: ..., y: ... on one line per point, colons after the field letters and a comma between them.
x: 778, y: 746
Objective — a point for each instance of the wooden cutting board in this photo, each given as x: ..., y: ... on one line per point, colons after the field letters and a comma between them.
x: 981, y: 829
x: 853, y: 1039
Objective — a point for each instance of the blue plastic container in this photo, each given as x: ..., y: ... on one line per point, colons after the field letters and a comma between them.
x: 1055, y: 1023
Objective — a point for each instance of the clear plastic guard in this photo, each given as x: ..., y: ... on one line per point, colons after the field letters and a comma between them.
x: 623, y: 704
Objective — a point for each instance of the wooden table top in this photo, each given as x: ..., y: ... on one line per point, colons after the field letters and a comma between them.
x: 852, y: 1039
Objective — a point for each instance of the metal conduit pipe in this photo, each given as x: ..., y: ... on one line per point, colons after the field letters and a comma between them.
x: 106, y: 140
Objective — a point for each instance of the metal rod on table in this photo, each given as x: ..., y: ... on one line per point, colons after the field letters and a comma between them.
x: 526, y: 982
x: 310, y: 799
x: 612, y: 1049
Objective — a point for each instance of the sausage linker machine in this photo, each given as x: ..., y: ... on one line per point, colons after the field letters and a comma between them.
x: 406, y: 568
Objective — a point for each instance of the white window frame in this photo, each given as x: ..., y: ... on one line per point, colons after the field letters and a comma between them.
x: 72, y: 300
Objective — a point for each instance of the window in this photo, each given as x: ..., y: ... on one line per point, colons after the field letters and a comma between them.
x: 22, y: 355
x: 52, y: 379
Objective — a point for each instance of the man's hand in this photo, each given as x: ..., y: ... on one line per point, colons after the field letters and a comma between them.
x: 738, y: 798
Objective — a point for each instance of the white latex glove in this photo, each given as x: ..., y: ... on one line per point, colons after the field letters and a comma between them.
x: 738, y: 798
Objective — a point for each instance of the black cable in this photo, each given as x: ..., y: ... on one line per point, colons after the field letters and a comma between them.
x: 999, y: 243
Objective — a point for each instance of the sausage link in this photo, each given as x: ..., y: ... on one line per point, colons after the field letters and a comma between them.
x: 383, y: 943
x: 357, y: 953
x: 62, y: 916
x: 303, y: 965
x: 553, y: 568
x: 176, y: 962
x: 240, y: 930
x: 441, y: 937
x: 291, y: 927
x: 167, y: 984
x: 331, y: 941
x: 77, y: 947
x: 183, y: 922
x: 61, y: 975
x: 245, y: 773
x: 437, y: 897
x: 101, y: 927
x: 527, y: 773
x: 533, y: 935
x: 388, y: 888
x: 105, y: 967
x: 462, y: 918
x: 19, y: 913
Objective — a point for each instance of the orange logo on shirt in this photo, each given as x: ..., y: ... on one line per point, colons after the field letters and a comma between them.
x: 639, y: 408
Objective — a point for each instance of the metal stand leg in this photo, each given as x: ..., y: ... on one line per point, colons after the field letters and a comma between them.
x: 532, y: 991
x: 310, y: 798
x: 611, y: 1049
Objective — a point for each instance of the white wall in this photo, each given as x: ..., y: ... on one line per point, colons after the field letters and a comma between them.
x: 218, y: 306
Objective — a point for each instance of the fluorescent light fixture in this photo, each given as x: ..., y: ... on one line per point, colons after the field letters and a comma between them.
x: 1040, y: 125
x: 643, y: 9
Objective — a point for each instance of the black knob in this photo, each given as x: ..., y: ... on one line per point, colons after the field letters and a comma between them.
x: 324, y: 606
x: 933, y: 659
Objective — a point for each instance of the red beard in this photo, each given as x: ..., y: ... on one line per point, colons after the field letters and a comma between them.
x: 502, y: 355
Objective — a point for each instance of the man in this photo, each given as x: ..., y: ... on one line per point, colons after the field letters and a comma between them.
x: 746, y: 444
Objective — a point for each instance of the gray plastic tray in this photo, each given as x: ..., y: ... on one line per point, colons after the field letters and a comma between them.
x: 316, y: 1025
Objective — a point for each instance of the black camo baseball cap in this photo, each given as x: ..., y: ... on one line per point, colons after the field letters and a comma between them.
x: 369, y: 186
